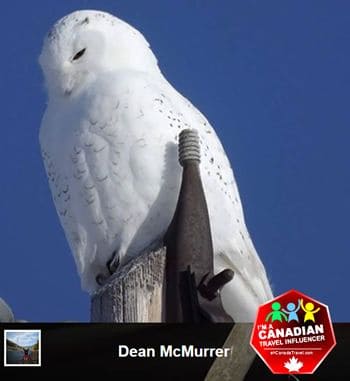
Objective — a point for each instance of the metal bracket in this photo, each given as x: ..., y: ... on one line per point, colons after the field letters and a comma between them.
x: 192, y: 289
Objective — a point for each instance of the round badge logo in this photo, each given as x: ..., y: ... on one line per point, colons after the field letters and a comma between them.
x: 293, y: 333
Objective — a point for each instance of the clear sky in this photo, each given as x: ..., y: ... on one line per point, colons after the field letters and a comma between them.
x: 272, y: 77
x: 23, y: 338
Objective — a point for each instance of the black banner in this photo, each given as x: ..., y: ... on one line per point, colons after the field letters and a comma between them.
x: 139, y: 351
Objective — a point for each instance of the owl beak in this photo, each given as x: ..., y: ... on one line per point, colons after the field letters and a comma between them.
x: 68, y: 83
x: 67, y: 92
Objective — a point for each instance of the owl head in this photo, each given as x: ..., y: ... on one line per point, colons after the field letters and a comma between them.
x: 85, y: 44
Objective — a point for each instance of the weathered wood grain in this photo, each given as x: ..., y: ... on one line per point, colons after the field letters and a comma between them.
x: 134, y: 294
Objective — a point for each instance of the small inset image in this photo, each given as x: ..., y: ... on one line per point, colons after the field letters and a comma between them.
x: 22, y: 347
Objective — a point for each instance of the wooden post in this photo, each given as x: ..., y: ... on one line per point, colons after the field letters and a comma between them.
x: 235, y: 367
x: 134, y: 294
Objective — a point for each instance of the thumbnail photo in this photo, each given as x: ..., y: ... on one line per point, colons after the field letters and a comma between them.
x: 22, y: 347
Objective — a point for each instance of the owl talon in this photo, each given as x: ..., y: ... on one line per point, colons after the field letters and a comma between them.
x: 101, y: 279
x: 113, y: 263
x: 112, y: 266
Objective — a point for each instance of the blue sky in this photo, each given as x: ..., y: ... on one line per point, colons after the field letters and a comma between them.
x: 272, y: 77
x: 23, y: 338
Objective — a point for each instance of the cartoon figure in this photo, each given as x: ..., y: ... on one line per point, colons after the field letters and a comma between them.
x: 292, y: 311
x: 276, y: 314
x: 309, y: 311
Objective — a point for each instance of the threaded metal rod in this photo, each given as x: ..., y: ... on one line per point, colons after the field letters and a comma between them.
x: 189, y: 148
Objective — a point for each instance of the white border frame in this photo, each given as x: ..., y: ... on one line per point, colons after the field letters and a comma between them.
x: 22, y: 330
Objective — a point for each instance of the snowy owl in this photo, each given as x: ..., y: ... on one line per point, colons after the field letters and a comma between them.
x: 109, y: 143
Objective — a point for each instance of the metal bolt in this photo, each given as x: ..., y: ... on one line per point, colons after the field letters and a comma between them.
x: 215, y: 284
x: 189, y: 148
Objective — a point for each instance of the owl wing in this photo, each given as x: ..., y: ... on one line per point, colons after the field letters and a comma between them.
x: 84, y: 158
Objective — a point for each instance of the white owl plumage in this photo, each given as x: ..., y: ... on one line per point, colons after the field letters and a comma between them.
x: 109, y: 144
x: 6, y: 314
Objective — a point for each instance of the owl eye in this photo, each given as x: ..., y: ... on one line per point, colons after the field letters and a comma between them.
x: 79, y: 54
